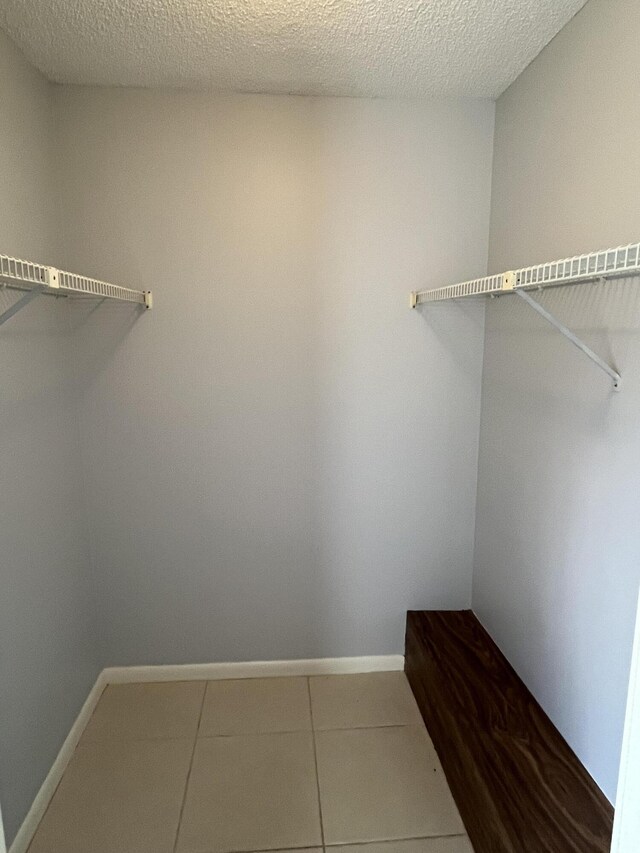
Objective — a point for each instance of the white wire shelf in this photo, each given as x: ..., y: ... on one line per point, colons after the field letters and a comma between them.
x: 595, y: 266
x: 608, y: 263
x: 476, y: 287
x: 36, y: 279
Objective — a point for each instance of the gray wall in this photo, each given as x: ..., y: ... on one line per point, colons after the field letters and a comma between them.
x: 557, y: 562
x: 48, y: 656
x: 280, y: 458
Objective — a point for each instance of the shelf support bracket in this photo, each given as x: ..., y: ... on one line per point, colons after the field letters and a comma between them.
x: 574, y: 339
x: 20, y: 304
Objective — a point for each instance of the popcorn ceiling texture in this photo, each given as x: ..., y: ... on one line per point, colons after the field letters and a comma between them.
x: 378, y: 48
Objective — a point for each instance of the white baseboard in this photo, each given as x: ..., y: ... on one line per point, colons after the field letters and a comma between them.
x: 252, y: 669
x: 184, y: 672
x: 48, y: 788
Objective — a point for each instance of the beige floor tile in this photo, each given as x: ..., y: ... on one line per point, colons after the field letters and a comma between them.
x: 255, y: 706
x: 155, y: 710
x: 255, y: 792
x: 357, y: 701
x: 118, y: 796
x: 453, y: 844
x: 383, y: 784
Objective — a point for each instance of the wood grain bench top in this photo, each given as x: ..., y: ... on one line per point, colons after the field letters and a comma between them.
x: 517, y: 783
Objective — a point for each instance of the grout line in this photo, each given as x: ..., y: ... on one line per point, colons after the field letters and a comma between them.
x: 186, y: 786
x: 393, y: 840
x: 152, y: 739
x: 415, y: 725
x: 134, y: 739
x: 315, y: 761
x: 261, y: 849
x: 264, y: 732
x: 352, y: 843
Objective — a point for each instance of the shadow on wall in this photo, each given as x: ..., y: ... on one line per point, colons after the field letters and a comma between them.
x: 114, y: 320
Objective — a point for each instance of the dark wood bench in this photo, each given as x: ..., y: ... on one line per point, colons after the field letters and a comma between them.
x: 518, y: 785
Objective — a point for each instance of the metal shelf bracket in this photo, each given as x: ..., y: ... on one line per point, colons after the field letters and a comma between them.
x: 574, y: 339
x: 28, y: 297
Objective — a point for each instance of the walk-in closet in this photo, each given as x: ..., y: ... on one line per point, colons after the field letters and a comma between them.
x: 319, y: 426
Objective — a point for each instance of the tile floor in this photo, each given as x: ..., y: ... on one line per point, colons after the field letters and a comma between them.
x: 336, y: 762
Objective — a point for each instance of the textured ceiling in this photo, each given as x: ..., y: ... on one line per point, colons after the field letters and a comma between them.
x: 336, y: 47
